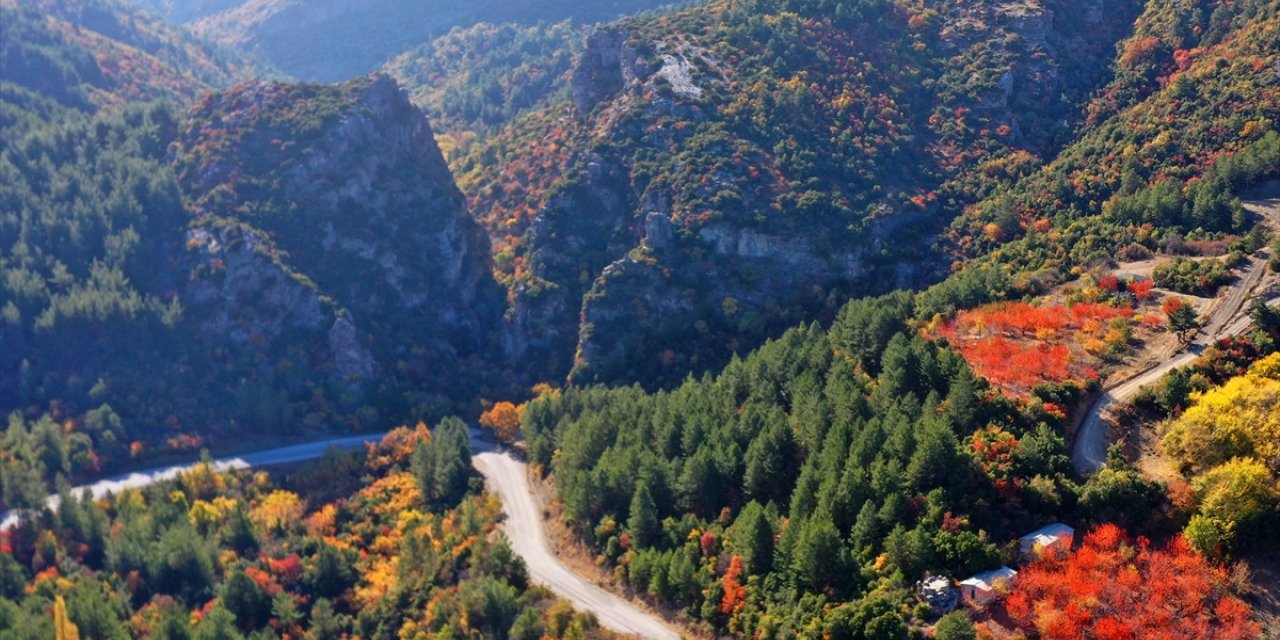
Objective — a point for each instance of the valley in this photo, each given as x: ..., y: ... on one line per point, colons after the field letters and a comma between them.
x: 537, y: 320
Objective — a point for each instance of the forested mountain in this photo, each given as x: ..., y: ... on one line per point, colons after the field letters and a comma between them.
x: 792, y: 303
x: 739, y: 166
x: 98, y: 53
x: 278, y: 259
x: 332, y: 40
x: 1195, y: 95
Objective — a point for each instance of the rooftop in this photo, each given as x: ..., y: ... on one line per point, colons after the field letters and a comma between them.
x: 987, y: 579
x: 1055, y: 530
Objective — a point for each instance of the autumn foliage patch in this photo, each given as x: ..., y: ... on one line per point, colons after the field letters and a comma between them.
x: 1017, y: 345
x: 1117, y: 587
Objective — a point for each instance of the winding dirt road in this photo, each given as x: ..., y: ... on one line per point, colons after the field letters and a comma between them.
x: 1229, y: 317
x: 506, y: 476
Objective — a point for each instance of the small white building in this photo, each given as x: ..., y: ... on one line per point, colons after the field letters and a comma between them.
x: 982, y: 588
x: 1056, y: 537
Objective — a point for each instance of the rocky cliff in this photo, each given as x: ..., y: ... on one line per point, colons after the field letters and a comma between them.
x: 326, y: 219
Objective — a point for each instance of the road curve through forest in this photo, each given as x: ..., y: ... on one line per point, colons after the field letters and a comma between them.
x: 1228, y: 318
x: 505, y: 475
x: 508, y: 477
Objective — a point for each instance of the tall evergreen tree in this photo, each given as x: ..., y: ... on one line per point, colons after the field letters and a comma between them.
x: 643, y: 521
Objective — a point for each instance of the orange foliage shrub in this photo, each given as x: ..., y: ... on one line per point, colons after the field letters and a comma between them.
x: 504, y: 419
x: 287, y: 569
x: 734, y: 593
x: 1139, y: 51
x: 396, y: 447
x: 1115, y: 587
x: 1141, y: 289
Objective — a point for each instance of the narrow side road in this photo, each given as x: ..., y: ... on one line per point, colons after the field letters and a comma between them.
x: 147, y: 477
x: 1229, y: 318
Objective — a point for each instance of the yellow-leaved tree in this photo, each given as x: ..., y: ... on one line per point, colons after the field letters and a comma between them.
x: 1238, y: 419
x: 63, y: 627
x: 278, y: 512
x: 1230, y: 439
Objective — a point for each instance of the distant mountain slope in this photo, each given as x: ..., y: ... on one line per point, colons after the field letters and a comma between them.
x: 719, y: 172
x: 103, y: 52
x: 473, y: 79
x: 180, y: 11
x: 329, y: 40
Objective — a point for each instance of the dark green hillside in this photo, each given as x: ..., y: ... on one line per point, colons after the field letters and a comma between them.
x: 836, y: 480
x: 95, y: 355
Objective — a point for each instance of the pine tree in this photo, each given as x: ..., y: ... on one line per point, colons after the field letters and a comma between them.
x: 643, y: 522
x: 819, y: 559
x: 325, y: 624
x: 753, y: 539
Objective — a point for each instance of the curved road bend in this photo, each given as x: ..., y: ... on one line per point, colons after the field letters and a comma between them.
x: 508, y: 477
x: 505, y: 475
x: 1090, y: 450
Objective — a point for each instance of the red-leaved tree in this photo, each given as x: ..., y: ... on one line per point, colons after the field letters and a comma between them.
x: 1115, y: 587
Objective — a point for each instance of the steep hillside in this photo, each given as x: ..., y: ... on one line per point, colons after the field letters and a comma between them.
x: 330, y: 40
x: 720, y: 172
x: 282, y: 259
x: 330, y: 209
x: 1182, y: 130
x: 95, y: 53
x: 834, y: 468
x: 91, y: 227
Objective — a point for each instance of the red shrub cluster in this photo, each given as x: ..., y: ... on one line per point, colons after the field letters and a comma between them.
x: 1017, y: 346
x: 1114, y: 587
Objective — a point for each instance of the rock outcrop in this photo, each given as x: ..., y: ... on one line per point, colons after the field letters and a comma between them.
x: 640, y: 303
x: 598, y: 73
x: 335, y: 227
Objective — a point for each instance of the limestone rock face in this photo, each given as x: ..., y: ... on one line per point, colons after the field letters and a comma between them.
x: 599, y: 73
x: 247, y: 296
x: 332, y: 220
x: 1027, y: 18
